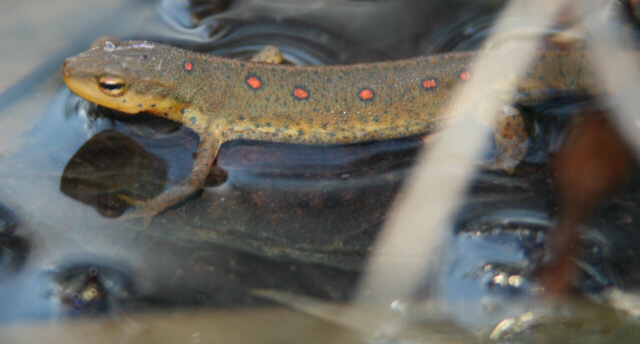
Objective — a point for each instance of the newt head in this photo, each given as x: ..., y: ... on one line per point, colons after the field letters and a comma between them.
x: 132, y: 77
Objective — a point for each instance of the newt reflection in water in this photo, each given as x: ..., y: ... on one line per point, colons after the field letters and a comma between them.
x: 224, y: 99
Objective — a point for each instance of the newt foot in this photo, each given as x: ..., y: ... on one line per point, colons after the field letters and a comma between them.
x: 144, y: 209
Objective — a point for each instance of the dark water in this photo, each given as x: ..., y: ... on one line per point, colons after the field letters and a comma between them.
x: 293, y: 218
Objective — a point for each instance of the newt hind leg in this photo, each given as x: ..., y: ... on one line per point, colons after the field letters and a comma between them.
x: 204, y: 159
x: 511, y: 139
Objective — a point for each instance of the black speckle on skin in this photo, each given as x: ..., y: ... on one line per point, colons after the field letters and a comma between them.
x: 153, y: 105
x: 124, y: 100
x: 309, y: 120
x: 241, y: 118
x: 140, y: 105
x: 300, y: 132
x: 183, y: 111
x: 194, y: 120
x: 268, y: 125
x: 166, y: 114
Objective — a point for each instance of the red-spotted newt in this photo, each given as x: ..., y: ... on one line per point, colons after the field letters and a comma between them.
x: 224, y: 99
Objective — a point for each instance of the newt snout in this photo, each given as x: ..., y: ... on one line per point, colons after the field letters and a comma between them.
x: 66, y: 72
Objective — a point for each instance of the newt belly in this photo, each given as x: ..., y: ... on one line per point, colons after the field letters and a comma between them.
x: 224, y: 99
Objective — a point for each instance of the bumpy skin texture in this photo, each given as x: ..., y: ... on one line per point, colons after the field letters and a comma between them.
x: 224, y: 99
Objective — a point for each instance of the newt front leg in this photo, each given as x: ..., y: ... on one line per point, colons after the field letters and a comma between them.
x: 204, y: 159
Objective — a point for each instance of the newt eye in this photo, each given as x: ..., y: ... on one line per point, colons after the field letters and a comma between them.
x: 112, y: 85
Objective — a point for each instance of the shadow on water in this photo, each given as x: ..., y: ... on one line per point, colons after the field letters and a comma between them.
x: 294, y: 218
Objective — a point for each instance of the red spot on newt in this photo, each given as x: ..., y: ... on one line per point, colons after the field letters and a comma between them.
x: 465, y: 75
x: 254, y: 82
x: 188, y: 66
x: 429, y: 83
x: 365, y: 94
x: 300, y: 93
